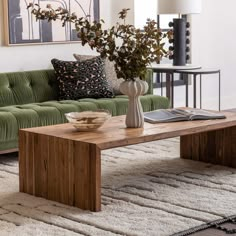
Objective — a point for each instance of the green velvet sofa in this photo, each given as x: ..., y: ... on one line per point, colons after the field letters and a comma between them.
x: 29, y: 99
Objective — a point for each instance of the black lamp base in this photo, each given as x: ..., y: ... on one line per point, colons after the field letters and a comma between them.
x: 179, y: 27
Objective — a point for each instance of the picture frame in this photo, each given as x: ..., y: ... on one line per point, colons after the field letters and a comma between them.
x: 21, y: 27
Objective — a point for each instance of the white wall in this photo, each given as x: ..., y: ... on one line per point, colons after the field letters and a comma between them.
x: 213, y: 34
x: 213, y: 46
x: 144, y: 11
x: 18, y: 58
x: 117, y: 6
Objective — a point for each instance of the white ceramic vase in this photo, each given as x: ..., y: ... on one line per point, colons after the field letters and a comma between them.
x: 133, y: 89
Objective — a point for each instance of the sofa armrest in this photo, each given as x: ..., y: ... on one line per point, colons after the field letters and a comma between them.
x: 149, y: 80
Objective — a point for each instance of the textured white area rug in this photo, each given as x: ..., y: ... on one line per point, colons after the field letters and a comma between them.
x: 147, y: 190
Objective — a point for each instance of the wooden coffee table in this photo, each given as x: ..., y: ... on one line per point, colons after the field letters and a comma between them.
x: 63, y: 165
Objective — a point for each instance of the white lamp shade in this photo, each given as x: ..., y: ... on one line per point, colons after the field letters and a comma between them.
x: 183, y: 7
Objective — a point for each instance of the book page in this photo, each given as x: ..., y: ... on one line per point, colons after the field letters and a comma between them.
x: 201, y: 114
x: 178, y: 114
x: 165, y: 115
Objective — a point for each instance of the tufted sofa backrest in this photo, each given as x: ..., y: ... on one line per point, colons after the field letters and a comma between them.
x: 27, y: 87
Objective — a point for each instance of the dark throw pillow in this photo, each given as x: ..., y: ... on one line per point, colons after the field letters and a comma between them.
x: 84, y: 79
x: 110, y: 72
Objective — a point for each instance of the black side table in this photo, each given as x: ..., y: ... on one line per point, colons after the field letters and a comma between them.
x: 195, y: 73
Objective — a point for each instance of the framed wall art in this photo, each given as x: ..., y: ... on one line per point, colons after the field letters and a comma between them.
x: 22, y: 27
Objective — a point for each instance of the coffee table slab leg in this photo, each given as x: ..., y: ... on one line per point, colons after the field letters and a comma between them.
x: 61, y: 170
x: 87, y: 167
x: 216, y: 147
x: 26, y: 170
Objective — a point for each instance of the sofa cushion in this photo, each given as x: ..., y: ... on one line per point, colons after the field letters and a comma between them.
x: 82, y: 79
x: 27, y: 87
x: 110, y: 72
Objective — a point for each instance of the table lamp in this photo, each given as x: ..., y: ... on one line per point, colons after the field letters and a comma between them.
x: 180, y: 25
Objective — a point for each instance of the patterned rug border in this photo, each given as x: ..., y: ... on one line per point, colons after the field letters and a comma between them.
x: 215, y: 224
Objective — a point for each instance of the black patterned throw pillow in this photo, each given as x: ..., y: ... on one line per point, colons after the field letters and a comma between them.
x: 110, y: 72
x: 81, y: 79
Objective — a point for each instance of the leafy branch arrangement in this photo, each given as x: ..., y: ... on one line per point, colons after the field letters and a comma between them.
x: 131, y: 49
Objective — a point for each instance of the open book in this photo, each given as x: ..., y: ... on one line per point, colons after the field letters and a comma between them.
x: 171, y: 115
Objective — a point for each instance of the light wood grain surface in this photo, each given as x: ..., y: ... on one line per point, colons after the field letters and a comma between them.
x: 61, y: 164
x: 114, y: 133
